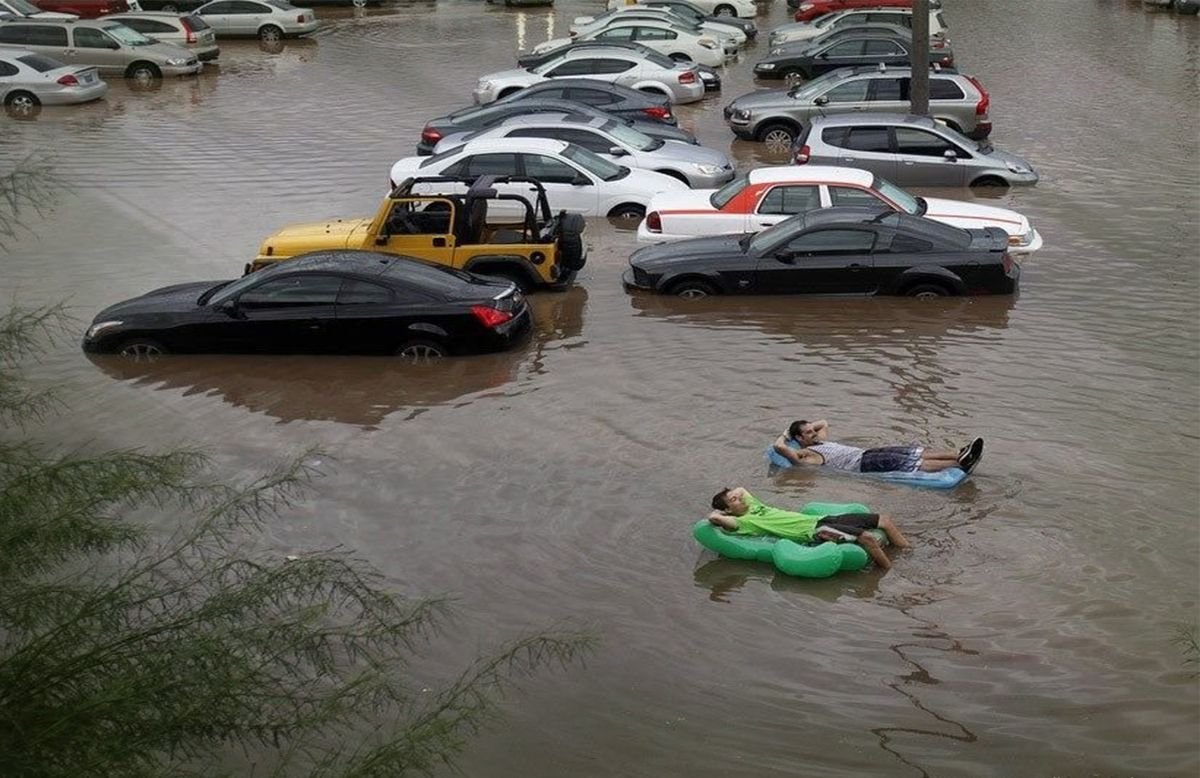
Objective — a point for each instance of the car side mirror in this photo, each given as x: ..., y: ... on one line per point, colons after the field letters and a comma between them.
x: 230, y: 308
x: 617, y: 151
x: 381, y: 239
x: 581, y: 180
x: 950, y: 155
x: 785, y: 257
x: 822, y: 100
x: 823, y: 55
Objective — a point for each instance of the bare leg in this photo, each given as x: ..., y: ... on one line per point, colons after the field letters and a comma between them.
x: 894, y: 535
x: 868, y: 542
x: 939, y: 454
x: 934, y: 465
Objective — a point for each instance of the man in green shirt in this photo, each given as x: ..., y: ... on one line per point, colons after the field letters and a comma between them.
x: 736, y: 510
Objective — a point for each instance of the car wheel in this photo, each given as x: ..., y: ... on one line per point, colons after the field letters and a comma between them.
x: 22, y: 105
x: 628, y: 212
x: 143, y: 73
x: 989, y: 181
x: 777, y: 137
x: 676, y: 175
x: 421, y: 351
x: 270, y: 34
x: 927, y: 291
x: 679, y: 56
x: 141, y: 350
x: 793, y: 75
x: 359, y: 3
x: 693, y: 290
x: 724, y: 10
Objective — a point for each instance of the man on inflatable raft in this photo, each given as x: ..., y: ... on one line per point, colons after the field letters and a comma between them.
x: 805, y: 442
x: 736, y: 510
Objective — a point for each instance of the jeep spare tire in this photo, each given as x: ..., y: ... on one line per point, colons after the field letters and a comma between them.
x: 570, y: 241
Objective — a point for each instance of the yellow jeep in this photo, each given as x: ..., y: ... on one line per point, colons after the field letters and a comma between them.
x: 448, y: 223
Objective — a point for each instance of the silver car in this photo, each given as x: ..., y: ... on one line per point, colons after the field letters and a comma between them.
x: 775, y: 116
x: 267, y: 20
x: 694, y: 165
x: 647, y: 72
x: 109, y: 46
x: 187, y: 31
x: 29, y: 80
x: 908, y: 150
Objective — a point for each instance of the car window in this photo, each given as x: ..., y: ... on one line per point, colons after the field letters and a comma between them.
x: 608, y: 66
x: 832, y: 241
x: 889, y: 18
x: 293, y: 291
x: 148, y: 25
x: 616, y: 34
x: 39, y: 63
x: 922, y: 143
x: 243, y: 7
x: 196, y: 23
x: 39, y: 35
x: 420, y: 217
x: 883, y: 47
x: 849, y: 92
x: 15, y: 33
x: 589, y: 140
x: 88, y: 38
x: 655, y: 34
x: 548, y: 170
x: 907, y: 244
x: 890, y: 89
x: 590, y: 96
x: 849, y: 195
x: 216, y: 8
x: 790, y: 200
x: 354, y: 292
x: 127, y: 36
x: 551, y: 92
x: 873, y: 139
x: 487, y: 165
x: 944, y: 89
x: 722, y: 196
x: 845, y: 49
x: 573, y: 67
x: 8, y: 69
x: 429, y: 279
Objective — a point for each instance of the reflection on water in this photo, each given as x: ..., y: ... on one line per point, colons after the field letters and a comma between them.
x: 723, y: 578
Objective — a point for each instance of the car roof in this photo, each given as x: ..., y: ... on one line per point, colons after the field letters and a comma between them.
x: 847, y: 119
x: 590, y: 83
x: 13, y: 52
x: 72, y: 22
x: 514, y: 145
x: 801, y: 173
x: 847, y: 214
x: 146, y: 15
x: 895, y: 70
x: 555, y: 118
x: 583, y: 53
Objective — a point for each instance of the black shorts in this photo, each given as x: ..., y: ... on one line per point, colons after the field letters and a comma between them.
x: 851, y: 523
x: 891, y: 459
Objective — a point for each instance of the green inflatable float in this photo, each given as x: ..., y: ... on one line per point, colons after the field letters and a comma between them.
x: 820, y: 560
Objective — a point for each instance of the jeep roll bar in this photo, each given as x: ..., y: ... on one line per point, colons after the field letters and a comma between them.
x: 482, y: 187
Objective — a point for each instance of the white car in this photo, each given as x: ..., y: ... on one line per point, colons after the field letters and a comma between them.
x: 268, y: 20
x: 575, y: 179
x: 28, y: 81
x: 645, y: 71
x: 740, y: 8
x: 678, y: 43
x: 804, y: 31
x: 768, y: 195
x: 731, y: 38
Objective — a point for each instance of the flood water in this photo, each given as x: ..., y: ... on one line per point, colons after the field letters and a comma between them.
x: 1030, y: 630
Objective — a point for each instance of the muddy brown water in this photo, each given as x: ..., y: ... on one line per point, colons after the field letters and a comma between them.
x: 1028, y: 633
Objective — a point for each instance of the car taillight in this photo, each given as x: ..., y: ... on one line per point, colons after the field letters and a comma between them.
x: 490, y: 317
x: 69, y: 80
x: 658, y: 111
x: 687, y: 77
x: 937, y: 43
x: 946, y: 61
x: 191, y: 34
x: 985, y: 100
x: 801, y: 155
x: 654, y: 222
x: 300, y: 19
x: 430, y: 136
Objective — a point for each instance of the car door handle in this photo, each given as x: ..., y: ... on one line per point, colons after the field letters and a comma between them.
x: 846, y: 159
x: 855, y: 267
x: 439, y: 242
x: 766, y: 224
x: 908, y: 162
x: 743, y: 284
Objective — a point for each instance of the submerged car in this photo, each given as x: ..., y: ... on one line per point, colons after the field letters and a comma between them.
x: 709, y: 76
x: 341, y: 302
x: 840, y: 251
x: 851, y: 50
x: 28, y: 81
x: 268, y: 20
x: 767, y: 196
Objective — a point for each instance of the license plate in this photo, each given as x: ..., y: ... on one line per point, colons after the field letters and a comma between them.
x: 87, y: 78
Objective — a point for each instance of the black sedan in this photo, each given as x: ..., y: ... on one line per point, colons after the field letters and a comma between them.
x: 845, y: 50
x: 477, y: 117
x: 847, y: 251
x: 337, y: 302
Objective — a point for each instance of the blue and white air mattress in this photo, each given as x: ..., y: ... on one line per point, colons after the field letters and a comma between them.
x: 943, y: 479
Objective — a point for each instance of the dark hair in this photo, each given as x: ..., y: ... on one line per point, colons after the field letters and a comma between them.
x: 719, y: 501
x: 794, y: 429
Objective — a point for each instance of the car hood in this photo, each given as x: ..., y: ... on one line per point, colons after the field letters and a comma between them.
x: 180, y: 297
x: 763, y: 98
x: 314, y: 236
x: 791, y: 50
x: 679, y: 151
x: 692, y: 200
x: 508, y: 75
x: 1011, y: 160
x: 166, y: 51
x: 649, y: 181
x: 550, y: 45
x: 662, y: 256
x: 973, y: 215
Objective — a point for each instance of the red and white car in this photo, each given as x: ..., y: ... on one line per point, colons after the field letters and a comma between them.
x: 768, y: 195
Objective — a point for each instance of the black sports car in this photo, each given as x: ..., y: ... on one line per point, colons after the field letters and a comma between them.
x: 336, y: 302
x: 848, y: 251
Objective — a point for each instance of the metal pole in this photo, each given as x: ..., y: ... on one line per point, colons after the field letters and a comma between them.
x: 919, y: 84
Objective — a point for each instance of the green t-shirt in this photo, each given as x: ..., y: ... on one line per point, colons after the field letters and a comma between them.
x: 764, y: 520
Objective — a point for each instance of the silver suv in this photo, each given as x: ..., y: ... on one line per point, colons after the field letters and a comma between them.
x: 908, y: 150
x: 106, y: 45
x: 775, y: 116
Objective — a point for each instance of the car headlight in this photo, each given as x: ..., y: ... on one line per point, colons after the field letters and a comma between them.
x: 177, y: 63
x: 484, y: 85
x: 1024, y: 239
x: 707, y: 43
x: 100, y: 326
x: 765, y: 66
x: 741, y: 113
x: 777, y: 51
x: 708, y: 170
x: 1018, y: 169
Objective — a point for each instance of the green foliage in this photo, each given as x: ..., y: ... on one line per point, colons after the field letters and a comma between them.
x: 129, y: 651
x: 1189, y: 644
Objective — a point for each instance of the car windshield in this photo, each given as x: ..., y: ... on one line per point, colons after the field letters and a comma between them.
x: 196, y: 23
x: 631, y: 137
x: 228, y: 289
x: 598, y: 166
x: 430, y: 278
x: 22, y: 7
x: 437, y: 158
x: 728, y: 192
x: 39, y: 63
x: 127, y: 35
x: 662, y: 60
x: 907, y: 203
